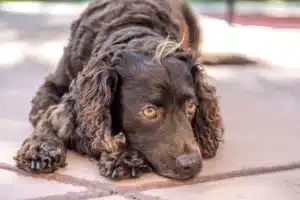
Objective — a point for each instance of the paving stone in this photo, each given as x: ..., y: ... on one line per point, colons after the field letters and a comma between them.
x: 14, y: 186
x: 262, y: 123
x: 81, y: 167
x: 275, y: 186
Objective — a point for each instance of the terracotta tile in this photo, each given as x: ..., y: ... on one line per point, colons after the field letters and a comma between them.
x: 15, y: 186
x: 81, y: 167
x: 275, y: 186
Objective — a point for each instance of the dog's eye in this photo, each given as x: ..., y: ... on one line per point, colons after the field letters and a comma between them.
x: 190, y: 107
x: 150, y: 112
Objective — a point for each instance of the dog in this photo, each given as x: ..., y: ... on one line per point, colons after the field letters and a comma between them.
x: 130, y: 92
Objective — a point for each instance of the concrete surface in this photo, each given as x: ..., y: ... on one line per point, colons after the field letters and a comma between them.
x: 260, y: 107
x: 277, y: 186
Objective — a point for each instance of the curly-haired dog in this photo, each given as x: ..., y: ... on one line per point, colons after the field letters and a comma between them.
x: 129, y: 93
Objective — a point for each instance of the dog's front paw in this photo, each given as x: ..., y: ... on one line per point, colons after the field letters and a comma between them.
x: 41, y: 154
x: 123, y: 165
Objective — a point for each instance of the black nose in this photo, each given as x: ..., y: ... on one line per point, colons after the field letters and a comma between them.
x: 189, y: 162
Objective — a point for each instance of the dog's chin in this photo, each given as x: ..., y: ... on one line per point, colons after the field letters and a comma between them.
x: 177, y: 176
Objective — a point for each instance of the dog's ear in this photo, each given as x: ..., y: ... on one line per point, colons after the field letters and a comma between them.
x: 207, y: 122
x: 97, y: 85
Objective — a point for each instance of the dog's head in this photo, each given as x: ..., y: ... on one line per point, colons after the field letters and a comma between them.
x: 154, y: 100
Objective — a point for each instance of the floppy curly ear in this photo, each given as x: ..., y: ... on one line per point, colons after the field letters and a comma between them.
x: 207, y: 122
x: 97, y: 86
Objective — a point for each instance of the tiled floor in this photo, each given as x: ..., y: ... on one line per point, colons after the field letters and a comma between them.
x: 258, y: 160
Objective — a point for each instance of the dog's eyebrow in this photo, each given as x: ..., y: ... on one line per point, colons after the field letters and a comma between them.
x: 159, y: 97
x: 157, y: 101
x: 185, y: 94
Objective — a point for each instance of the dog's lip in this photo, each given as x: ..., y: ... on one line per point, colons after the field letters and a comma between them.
x: 179, y: 176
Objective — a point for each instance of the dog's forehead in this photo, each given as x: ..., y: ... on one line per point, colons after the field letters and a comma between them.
x: 178, y: 71
x: 174, y: 73
x: 149, y: 79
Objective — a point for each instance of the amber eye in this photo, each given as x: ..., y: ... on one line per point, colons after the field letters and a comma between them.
x: 150, y: 112
x: 190, y: 107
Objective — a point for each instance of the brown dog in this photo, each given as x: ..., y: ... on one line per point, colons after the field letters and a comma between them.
x: 128, y: 92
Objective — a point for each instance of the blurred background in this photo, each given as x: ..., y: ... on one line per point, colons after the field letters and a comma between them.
x: 33, y: 33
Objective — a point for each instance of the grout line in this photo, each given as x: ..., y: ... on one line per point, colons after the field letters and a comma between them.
x: 222, y: 176
x: 94, y: 194
x: 140, y: 196
x: 74, y: 196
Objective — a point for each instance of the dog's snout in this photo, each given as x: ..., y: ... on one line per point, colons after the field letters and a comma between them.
x: 189, y: 162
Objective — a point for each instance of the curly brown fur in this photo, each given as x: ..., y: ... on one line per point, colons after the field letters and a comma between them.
x: 208, y: 121
x: 91, y: 102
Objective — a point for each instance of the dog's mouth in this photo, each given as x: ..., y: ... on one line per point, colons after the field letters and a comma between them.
x: 180, y: 176
x: 179, y: 173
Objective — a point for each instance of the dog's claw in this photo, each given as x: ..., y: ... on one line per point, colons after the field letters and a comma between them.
x: 133, y: 172
x: 49, y: 164
x: 107, y: 172
x: 114, y: 174
x: 32, y: 165
x: 46, y: 163
x: 43, y: 165
x: 37, y: 165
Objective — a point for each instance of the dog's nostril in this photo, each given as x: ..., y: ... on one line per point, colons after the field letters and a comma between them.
x: 188, y: 161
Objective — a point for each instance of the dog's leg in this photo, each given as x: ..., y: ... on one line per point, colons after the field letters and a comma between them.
x: 123, y: 164
x: 51, y: 115
x: 45, y: 149
x: 53, y: 88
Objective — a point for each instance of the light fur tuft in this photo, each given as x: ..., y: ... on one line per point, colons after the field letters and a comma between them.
x: 166, y: 48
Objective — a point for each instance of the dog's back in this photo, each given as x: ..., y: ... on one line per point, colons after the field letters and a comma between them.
x: 113, y: 24
x: 107, y: 22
